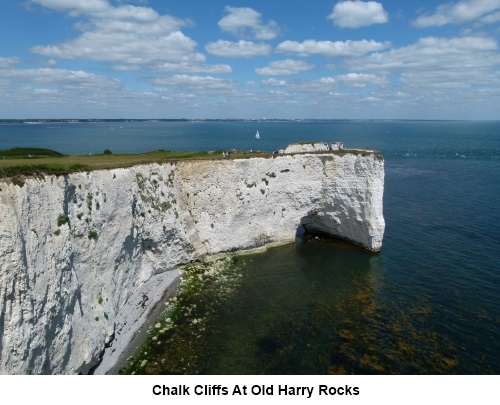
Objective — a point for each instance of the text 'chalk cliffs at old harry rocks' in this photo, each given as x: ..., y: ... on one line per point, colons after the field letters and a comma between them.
x: 81, y: 252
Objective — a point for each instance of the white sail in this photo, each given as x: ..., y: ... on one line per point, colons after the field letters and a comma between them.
x: 257, y: 135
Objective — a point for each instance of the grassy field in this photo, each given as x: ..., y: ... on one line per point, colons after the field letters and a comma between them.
x: 28, y: 161
x: 36, y: 161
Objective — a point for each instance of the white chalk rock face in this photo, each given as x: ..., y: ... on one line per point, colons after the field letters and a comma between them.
x: 307, y: 147
x: 78, y: 251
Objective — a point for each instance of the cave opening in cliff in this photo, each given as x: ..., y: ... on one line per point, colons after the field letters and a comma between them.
x: 300, y: 234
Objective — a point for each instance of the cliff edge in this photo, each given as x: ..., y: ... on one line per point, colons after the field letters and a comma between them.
x: 85, y: 256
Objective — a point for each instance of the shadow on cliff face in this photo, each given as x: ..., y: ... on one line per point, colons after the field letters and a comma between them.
x: 311, y: 226
x: 307, y: 230
x: 300, y: 234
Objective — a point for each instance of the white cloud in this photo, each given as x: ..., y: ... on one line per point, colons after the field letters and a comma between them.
x: 324, y: 85
x: 433, y: 77
x: 133, y: 1
x: 491, y: 18
x: 356, y: 14
x: 361, y: 79
x: 8, y: 62
x: 464, y: 53
x: 200, y: 83
x: 245, y: 21
x: 240, y: 49
x: 59, y: 77
x: 75, y: 7
x: 301, y: 90
x: 62, y: 93
x: 329, y: 48
x: 129, y: 36
x: 126, y: 48
x: 328, y: 80
x: 274, y: 82
x: 438, y: 62
x: 284, y: 68
x: 58, y: 92
x: 484, y: 11
x: 187, y: 67
x: 434, y: 80
x: 193, y: 90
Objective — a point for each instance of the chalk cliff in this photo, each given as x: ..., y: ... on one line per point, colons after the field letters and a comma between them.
x: 313, y: 147
x: 84, y: 257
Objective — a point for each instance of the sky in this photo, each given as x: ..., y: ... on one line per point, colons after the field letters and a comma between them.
x: 285, y: 59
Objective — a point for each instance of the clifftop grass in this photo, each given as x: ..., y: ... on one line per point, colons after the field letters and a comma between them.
x: 39, y: 162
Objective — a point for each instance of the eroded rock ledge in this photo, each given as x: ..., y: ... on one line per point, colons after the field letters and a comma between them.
x: 77, y: 251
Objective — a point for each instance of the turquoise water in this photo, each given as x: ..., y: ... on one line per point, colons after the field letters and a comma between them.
x: 427, y: 303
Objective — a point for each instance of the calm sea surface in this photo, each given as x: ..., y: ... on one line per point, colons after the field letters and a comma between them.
x: 429, y: 302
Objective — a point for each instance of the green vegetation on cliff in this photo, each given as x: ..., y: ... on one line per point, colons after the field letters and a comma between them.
x: 28, y: 153
x: 40, y: 162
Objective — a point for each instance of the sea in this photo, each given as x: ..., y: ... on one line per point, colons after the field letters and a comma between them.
x: 428, y: 303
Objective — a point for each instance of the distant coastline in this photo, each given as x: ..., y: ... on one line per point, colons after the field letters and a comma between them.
x: 111, y: 120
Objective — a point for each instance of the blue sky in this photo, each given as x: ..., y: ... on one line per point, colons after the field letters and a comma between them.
x: 250, y: 59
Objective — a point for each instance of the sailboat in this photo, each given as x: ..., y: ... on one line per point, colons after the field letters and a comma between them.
x: 257, y: 135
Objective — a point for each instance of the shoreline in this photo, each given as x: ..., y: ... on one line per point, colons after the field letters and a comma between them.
x: 131, y: 324
x: 132, y: 327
